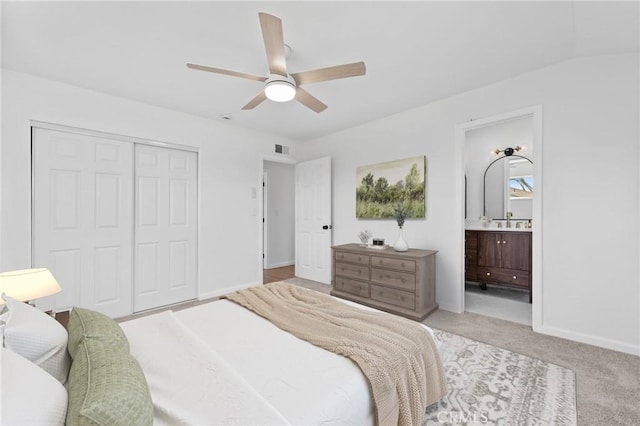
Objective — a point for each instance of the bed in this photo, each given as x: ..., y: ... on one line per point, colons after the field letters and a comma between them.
x: 201, y: 370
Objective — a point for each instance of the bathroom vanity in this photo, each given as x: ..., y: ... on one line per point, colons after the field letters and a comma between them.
x: 499, y: 257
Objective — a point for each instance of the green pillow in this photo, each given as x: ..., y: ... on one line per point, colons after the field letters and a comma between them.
x: 86, y: 323
x: 107, y: 387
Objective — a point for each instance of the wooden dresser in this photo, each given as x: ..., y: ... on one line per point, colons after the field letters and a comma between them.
x: 402, y: 283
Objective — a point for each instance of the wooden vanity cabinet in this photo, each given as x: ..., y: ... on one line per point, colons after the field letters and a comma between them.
x: 503, y: 258
x: 402, y: 283
x: 471, y: 255
x: 509, y: 250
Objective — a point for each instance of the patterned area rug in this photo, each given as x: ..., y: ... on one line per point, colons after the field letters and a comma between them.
x: 493, y: 386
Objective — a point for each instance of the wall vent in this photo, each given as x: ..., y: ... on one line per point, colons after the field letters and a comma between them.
x: 281, y: 149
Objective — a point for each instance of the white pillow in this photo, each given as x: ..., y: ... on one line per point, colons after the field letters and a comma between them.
x: 30, y: 396
x: 36, y: 336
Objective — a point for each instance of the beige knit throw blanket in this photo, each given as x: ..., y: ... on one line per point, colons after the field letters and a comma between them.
x: 398, y: 357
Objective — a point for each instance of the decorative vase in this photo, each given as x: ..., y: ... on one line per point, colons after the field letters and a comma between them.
x: 401, y: 244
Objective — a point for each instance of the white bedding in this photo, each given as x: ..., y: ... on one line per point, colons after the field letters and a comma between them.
x: 287, y: 378
x: 189, y: 382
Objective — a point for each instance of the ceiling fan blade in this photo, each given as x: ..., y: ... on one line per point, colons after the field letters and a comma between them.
x: 273, y: 43
x: 255, y: 101
x: 330, y: 73
x: 226, y: 72
x: 309, y: 101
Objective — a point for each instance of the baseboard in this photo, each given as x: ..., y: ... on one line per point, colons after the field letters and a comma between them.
x: 614, y: 345
x: 449, y: 307
x: 280, y: 264
x: 222, y: 292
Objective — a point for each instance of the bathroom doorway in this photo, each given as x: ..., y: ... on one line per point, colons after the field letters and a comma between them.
x: 501, y: 216
x: 278, y: 221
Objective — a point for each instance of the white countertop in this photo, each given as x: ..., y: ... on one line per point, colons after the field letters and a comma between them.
x: 494, y: 227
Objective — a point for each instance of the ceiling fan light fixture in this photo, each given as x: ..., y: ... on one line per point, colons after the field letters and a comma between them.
x: 280, y: 89
x: 281, y: 86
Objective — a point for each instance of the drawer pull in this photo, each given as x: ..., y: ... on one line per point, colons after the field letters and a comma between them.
x: 498, y: 241
x: 504, y: 242
x: 515, y: 278
x: 488, y: 274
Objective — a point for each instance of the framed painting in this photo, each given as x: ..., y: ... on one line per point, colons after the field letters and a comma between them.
x: 383, y: 186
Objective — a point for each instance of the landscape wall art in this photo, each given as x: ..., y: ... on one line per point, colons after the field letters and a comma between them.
x: 383, y: 186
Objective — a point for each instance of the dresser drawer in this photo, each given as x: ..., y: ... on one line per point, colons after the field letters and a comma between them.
x: 401, y: 280
x: 392, y: 296
x: 358, y: 288
x: 342, y: 256
x: 510, y: 277
x: 388, y: 262
x: 352, y: 271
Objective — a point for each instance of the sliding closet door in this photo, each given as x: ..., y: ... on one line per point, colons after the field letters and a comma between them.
x: 165, y: 226
x: 82, y: 219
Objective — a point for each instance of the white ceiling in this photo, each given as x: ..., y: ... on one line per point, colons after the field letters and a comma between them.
x: 415, y: 52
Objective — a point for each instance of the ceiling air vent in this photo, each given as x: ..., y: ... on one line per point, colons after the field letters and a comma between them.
x: 281, y: 149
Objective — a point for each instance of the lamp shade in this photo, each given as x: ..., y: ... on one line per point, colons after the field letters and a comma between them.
x: 28, y: 284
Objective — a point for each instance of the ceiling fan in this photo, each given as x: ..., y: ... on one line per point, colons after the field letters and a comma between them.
x: 281, y: 86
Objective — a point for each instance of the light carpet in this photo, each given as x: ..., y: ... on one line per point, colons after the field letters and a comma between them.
x: 493, y: 386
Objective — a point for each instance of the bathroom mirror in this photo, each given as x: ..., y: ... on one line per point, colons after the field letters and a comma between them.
x: 509, y: 187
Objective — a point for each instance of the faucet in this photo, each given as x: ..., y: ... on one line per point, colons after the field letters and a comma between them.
x: 509, y: 216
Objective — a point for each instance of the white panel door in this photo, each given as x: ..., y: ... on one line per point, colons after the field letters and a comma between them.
x: 82, y: 219
x: 313, y: 220
x: 165, y: 226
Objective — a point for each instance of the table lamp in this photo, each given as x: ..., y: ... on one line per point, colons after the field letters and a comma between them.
x: 28, y: 284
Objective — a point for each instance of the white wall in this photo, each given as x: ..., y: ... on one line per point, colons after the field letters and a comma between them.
x: 229, y: 171
x: 590, y: 278
x: 280, y: 224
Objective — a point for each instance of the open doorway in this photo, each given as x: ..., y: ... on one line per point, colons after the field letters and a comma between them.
x: 502, y: 216
x: 310, y: 222
x: 278, y: 212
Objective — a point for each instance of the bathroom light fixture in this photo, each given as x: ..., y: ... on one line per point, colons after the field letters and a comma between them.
x: 509, y: 151
x: 280, y: 88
